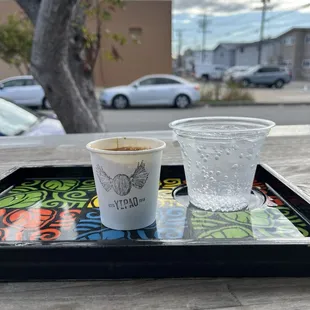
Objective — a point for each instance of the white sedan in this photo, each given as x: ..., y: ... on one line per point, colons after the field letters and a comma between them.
x: 159, y: 89
x: 24, y: 91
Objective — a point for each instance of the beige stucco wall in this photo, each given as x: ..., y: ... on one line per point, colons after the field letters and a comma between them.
x: 152, y: 56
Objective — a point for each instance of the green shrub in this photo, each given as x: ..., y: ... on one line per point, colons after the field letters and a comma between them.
x: 235, y: 93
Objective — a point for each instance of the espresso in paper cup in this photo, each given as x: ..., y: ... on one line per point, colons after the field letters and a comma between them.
x: 126, y: 172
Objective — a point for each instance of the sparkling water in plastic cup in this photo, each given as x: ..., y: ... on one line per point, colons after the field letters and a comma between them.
x: 220, y: 156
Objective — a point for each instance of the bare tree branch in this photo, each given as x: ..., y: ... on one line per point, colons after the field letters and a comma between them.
x: 31, y: 8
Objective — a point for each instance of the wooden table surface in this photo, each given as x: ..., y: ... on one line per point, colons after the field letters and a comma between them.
x: 287, y: 151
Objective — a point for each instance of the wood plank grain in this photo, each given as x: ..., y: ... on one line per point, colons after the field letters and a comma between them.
x: 139, y: 295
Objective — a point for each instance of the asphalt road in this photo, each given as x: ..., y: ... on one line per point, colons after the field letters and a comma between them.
x: 158, y: 119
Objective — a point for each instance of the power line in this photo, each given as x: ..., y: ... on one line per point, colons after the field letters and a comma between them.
x: 246, y: 29
x: 287, y: 13
x: 253, y: 29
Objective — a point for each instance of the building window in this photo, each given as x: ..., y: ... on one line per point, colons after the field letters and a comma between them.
x: 136, y: 34
x: 306, y: 64
x: 288, y: 63
x: 241, y: 49
x: 307, y: 39
x: 222, y: 54
x: 289, y: 41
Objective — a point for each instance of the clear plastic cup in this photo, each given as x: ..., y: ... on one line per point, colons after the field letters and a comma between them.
x: 220, y: 156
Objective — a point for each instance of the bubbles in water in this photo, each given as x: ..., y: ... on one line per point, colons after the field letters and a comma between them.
x: 226, y: 177
x: 249, y: 157
x: 235, y: 166
x: 241, y: 155
x: 218, y: 173
x: 228, y: 152
x: 212, y: 179
x: 217, y: 157
x: 205, y: 160
x: 211, y: 172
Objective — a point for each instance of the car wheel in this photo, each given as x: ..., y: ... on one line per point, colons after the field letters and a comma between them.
x: 245, y: 83
x: 120, y: 102
x: 182, y: 102
x: 279, y: 84
x: 45, y: 104
x: 205, y: 78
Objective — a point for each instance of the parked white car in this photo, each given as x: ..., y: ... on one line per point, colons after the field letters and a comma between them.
x: 234, y: 70
x: 158, y: 89
x: 23, y: 90
x: 206, y: 72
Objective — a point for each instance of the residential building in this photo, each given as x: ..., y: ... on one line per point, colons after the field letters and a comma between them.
x: 225, y: 54
x: 247, y: 54
x: 197, y: 57
x: 290, y: 49
x: 293, y: 50
x: 147, y: 21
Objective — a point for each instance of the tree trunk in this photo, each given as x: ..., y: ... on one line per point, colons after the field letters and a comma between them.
x: 57, y: 64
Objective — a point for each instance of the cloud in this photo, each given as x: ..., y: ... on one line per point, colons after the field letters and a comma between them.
x: 226, y: 7
x: 195, y: 7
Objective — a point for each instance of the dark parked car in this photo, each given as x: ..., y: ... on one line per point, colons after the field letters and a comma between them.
x: 263, y: 75
x: 15, y: 121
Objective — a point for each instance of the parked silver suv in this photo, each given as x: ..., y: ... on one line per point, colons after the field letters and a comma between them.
x: 263, y: 75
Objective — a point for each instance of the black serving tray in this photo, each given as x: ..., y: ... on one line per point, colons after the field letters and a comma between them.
x: 50, y: 229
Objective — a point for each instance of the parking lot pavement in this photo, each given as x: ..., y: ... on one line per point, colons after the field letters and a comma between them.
x: 294, y: 92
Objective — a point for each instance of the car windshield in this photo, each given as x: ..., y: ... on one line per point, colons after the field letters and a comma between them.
x: 14, y: 120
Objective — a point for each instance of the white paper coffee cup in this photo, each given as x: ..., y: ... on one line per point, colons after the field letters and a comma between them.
x: 127, y: 181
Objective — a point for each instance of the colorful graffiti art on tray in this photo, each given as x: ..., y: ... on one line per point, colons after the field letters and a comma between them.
x: 67, y: 209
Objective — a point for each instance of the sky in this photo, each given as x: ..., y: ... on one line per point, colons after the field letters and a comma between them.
x: 234, y: 20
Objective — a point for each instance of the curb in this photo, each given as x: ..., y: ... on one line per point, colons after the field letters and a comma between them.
x: 259, y: 104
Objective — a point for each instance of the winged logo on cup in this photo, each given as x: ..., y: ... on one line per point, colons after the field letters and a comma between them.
x: 122, y: 183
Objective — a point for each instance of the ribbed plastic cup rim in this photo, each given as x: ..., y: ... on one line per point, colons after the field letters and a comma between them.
x: 262, y: 124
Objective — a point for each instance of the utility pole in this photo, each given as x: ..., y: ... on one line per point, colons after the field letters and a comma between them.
x: 203, y: 25
x: 262, y: 29
x: 180, y: 46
